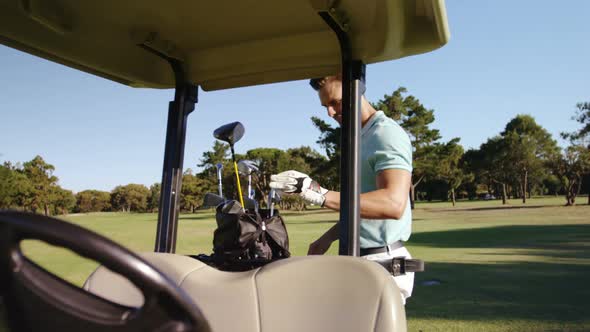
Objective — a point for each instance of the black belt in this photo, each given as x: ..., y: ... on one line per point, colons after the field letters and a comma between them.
x: 378, y: 250
x: 398, y: 266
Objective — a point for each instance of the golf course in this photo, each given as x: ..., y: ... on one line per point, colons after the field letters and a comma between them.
x: 489, y: 267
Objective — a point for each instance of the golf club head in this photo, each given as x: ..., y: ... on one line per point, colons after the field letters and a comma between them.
x: 212, y: 200
x: 247, y: 167
x: 249, y: 203
x: 232, y: 207
x: 230, y: 133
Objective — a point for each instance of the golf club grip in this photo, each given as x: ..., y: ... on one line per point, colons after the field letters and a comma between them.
x: 239, y: 184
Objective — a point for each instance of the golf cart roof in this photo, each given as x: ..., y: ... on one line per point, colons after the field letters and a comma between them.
x: 222, y: 44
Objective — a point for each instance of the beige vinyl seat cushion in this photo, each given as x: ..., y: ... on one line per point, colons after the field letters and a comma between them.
x: 314, y: 293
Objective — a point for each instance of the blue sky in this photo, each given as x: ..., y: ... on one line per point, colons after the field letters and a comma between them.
x: 504, y: 58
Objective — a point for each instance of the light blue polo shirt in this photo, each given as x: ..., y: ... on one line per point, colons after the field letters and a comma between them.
x: 384, y: 145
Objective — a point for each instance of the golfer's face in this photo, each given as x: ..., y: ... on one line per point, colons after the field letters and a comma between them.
x: 331, y: 99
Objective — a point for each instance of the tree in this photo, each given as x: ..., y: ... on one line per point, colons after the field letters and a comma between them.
x: 516, y: 159
x: 192, y: 191
x: 529, y: 147
x: 552, y: 184
x: 41, y: 176
x: 328, y: 170
x: 64, y: 201
x: 416, y: 119
x: 132, y: 197
x: 473, y: 162
x: 22, y: 188
x: 449, y: 166
x: 6, y: 190
x: 84, y: 201
x: 494, y: 164
x: 218, y: 154
x: 581, y: 137
x: 309, y: 161
x: 270, y: 161
x: 93, y: 201
x: 583, y: 117
x: 154, y: 199
x: 570, y: 167
x: 8, y: 186
x: 209, y: 160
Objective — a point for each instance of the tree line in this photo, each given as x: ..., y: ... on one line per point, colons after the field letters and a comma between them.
x: 520, y: 161
x: 32, y: 186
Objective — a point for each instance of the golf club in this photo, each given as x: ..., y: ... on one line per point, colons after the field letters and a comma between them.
x: 212, y: 200
x: 219, y: 168
x: 250, y: 204
x: 271, y: 201
x: 247, y: 167
x: 232, y: 207
x: 231, y: 133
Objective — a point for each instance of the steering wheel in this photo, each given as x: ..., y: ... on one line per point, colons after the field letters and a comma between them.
x: 37, y: 300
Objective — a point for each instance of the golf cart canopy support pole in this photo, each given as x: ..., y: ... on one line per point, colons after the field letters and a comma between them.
x: 353, y: 86
x: 185, y: 98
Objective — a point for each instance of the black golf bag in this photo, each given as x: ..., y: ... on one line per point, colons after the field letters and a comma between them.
x: 247, y: 240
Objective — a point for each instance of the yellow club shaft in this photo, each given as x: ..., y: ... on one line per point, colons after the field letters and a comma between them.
x: 239, y: 184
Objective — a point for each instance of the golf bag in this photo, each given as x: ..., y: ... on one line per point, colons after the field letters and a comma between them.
x: 249, y: 239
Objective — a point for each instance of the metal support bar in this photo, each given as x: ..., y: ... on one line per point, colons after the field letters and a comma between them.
x: 185, y: 98
x: 353, y: 86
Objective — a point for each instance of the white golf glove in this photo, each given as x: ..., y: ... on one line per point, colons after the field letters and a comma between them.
x: 293, y: 182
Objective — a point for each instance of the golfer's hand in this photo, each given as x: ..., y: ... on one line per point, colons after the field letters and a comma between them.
x: 293, y: 182
x: 319, y: 246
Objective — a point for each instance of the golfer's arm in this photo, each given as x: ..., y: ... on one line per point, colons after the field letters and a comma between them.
x: 387, y: 202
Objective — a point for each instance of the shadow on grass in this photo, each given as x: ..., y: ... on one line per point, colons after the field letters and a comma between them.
x: 489, y: 208
x: 549, y: 237
x: 548, y: 290
x: 531, y: 291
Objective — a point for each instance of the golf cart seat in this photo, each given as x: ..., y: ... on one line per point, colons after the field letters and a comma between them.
x: 314, y: 293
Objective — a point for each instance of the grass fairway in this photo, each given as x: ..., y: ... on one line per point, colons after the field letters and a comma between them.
x: 515, y: 268
x: 501, y: 268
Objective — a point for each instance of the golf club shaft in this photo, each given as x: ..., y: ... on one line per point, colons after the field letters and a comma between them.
x: 271, y: 196
x: 250, y: 186
x: 219, y: 185
x: 233, y: 158
x: 239, y: 185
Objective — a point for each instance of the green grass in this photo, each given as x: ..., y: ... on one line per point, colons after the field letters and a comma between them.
x: 513, y: 268
x: 502, y: 268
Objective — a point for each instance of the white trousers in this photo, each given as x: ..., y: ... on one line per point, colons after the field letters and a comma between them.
x: 405, y: 282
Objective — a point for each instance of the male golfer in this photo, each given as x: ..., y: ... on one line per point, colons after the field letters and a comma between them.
x: 386, y: 170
